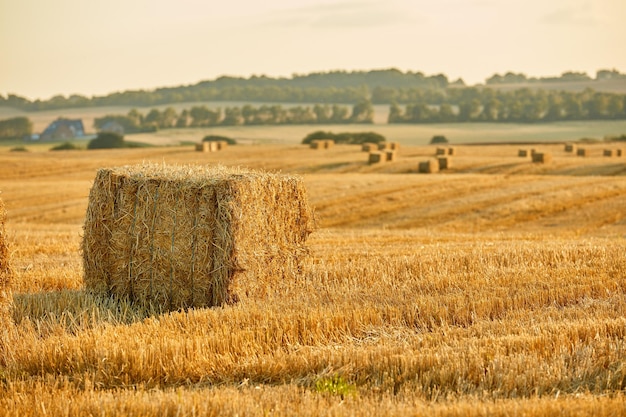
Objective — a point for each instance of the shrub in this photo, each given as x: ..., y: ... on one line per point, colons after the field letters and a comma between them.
x: 107, y: 140
x: 438, y: 139
x: 216, y: 138
x: 65, y: 146
x: 356, y: 138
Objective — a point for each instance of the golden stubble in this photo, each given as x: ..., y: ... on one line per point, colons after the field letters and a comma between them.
x: 407, y: 299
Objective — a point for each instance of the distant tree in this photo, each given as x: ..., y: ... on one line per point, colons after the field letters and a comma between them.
x: 107, y: 140
x: 15, y: 128
x: 438, y: 139
x: 65, y: 146
x: 345, y: 137
x: 216, y: 138
x: 362, y: 112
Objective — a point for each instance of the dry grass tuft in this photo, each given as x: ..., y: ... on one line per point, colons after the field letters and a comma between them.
x: 183, y: 236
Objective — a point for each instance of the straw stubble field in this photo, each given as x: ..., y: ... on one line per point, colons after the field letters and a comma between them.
x: 463, y: 292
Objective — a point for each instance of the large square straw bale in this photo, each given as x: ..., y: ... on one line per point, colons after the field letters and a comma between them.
x: 542, y: 158
x: 191, y: 236
x: 376, y: 157
x: 445, y: 162
x: 608, y: 152
x: 429, y: 166
x: 369, y: 147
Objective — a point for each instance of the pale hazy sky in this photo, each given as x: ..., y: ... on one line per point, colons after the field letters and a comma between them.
x: 95, y: 47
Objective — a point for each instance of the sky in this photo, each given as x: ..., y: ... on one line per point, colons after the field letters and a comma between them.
x: 97, y: 47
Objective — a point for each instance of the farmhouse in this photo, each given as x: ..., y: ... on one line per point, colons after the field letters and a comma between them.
x: 62, y: 129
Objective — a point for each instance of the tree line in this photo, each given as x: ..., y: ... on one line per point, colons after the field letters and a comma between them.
x: 322, y: 87
x: 517, y: 106
x: 15, y: 127
x: 203, y: 116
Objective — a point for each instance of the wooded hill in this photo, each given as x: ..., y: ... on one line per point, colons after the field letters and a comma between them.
x: 378, y: 86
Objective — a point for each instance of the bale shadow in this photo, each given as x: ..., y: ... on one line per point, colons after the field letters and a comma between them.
x: 72, y: 311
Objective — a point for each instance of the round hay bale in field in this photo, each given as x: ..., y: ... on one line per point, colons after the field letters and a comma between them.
x: 542, y: 158
x: 175, y: 237
x: 318, y: 144
x: 570, y: 147
x: 618, y: 152
x: 523, y: 153
x: 451, y: 151
x: 376, y: 158
x: 394, y: 146
x: 328, y: 143
x: 428, y: 167
x: 582, y: 152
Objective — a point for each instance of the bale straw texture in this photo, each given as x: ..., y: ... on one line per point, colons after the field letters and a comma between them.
x: 190, y: 236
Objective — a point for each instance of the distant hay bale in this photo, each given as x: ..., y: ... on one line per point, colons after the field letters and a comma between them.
x: 192, y: 236
x: 582, y: 152
x: 618, y: 152
x: 608, y: 152
x: 385, y: 146
x: 318, y: 144
x: 5, y: 276
x: 329, y: 143
x: 523, y: 153
x: 533, y: 151
x: 451, y: 151
x: 542, y: 158
x: 394, y: 146
x: 390, y: 156
x: 207, y: 146
x: 441, y: 151
x: 376, y: 157
x: 428, y: 167
x: 369, y: 147
x: 221, y: 145
x: 444, y: 162
x: 570, y: 147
